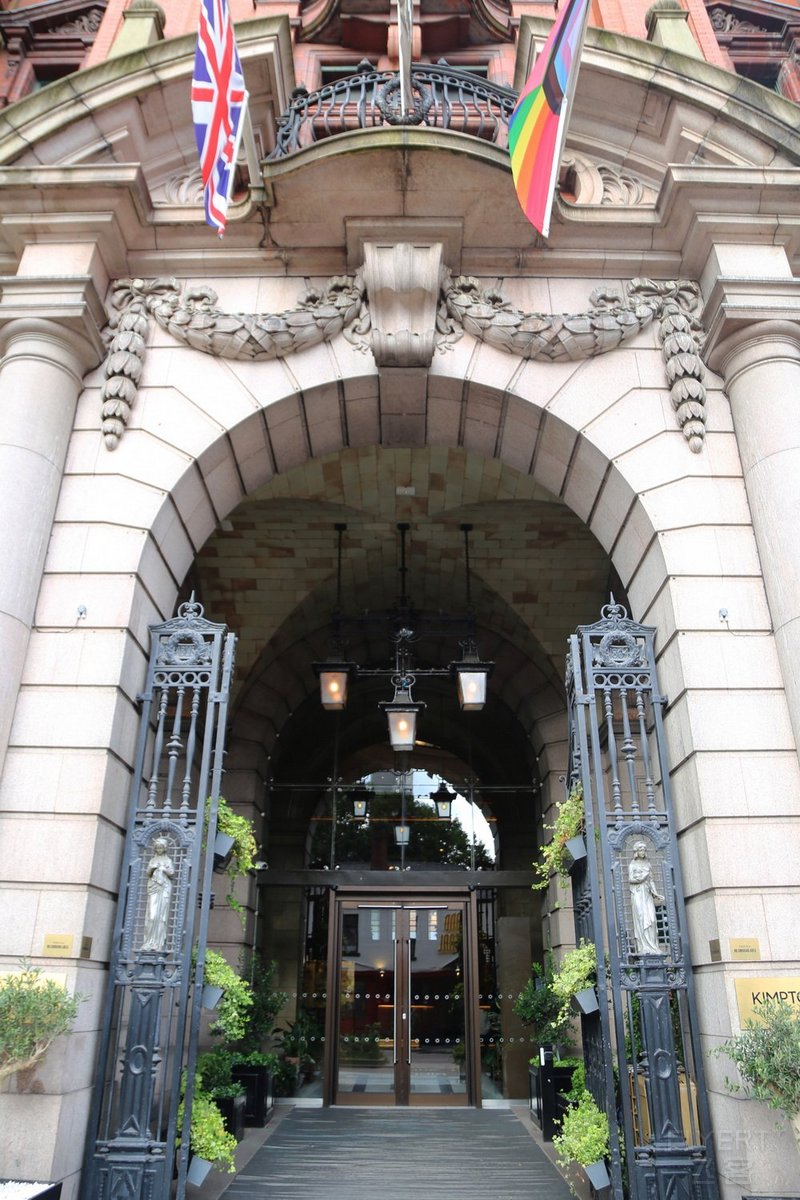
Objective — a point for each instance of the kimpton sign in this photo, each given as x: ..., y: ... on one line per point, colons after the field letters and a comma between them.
x: 751, y: 993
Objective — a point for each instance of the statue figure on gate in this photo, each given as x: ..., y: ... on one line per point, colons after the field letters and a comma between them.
x: 644, y: 899
x: 160, y: 871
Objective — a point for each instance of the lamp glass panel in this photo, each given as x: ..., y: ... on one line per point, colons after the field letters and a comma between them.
x: 444, y: 808
x: 471, y: 689
x: 333, y: 689
x: 402, y: 833
x: 360, y: 808
x: 402, y: 728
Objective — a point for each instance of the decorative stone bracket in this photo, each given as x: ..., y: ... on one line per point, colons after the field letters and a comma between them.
x: 403, y: 306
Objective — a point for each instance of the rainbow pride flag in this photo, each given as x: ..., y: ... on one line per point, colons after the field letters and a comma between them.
x: 538, y: 124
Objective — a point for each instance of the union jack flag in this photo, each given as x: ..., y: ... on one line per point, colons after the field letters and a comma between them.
x: 219, y: 101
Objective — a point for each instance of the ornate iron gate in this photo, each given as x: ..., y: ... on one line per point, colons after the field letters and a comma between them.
x: 628, y: 900
x: 152, y: 1011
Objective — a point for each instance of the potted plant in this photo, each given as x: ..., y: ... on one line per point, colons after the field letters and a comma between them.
x: 33, y: 1012
x: 575, y: 979
x: 539, y: 1007
x: 566, y: 845
x: 233, y: 1000
x: 584, y: 1139
x: 253, y: 1064
x: 211, y: 1144
x: 766, y: 1054
x: 256, y: 1073
x: 235, y: 848
x: 299, y: 1044
x: 214, y: 1077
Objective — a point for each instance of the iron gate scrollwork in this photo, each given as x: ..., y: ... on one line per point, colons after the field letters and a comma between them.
x: 152, y: 1011
x: 642, y: 1049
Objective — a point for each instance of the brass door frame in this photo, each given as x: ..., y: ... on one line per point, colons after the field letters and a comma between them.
x: 405, y: 898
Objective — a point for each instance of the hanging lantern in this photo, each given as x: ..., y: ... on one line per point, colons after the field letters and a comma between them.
x: 361, y: 798
x: 443, y: 799
x: 471, y: 675
x: 333, y: 678
x: 401, y: 713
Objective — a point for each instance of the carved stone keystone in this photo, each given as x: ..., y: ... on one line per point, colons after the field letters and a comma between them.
x: 403, y: 281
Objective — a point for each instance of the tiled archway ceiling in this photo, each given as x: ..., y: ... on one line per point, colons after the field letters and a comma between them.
x: 271, y: 574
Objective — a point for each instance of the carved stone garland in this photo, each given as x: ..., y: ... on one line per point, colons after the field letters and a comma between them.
x: 342, y: 306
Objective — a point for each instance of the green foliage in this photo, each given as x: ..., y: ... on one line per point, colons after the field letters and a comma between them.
x: 267, y: 1003
x: 214, y: 1074
x: 208, y: 1136
x: 568, y: 824
x: 767, y: 1056
x: 584, y: 1133
x: 284, y: 1077
x: 539, y: 1006
x: 301, y: 1039
x: 33, y: 1013
x: 366, y: 1051
x: 255, y: 1058
x: 245, y: 848
x: 237, y: 998
x: 578, y: 1080
x: 578, y: 970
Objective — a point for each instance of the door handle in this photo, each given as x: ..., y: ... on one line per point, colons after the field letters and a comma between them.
x: 394, y: 1005
x: 408, y: 993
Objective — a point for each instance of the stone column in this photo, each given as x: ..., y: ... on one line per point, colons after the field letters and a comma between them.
x: 754, y: 343
x: 49, y: 339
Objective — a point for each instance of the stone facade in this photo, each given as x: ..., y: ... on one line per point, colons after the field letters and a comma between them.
x: 328, y: 367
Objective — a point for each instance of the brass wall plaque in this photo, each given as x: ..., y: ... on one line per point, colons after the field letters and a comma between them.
x: 715, y: 950
x: 86, y: 947
x: 745, y: 948
x: 57, y: 945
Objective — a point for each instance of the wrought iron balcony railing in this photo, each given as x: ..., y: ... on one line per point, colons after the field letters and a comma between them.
x: 443, y: 98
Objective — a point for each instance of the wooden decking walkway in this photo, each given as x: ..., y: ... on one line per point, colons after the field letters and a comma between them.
x: 399, y: 1154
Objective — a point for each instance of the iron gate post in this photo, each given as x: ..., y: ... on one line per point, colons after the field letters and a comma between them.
x: 629, y: 900
x: 150, y: 1022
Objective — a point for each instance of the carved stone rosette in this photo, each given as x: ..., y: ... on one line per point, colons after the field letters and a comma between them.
x: 401, y: 308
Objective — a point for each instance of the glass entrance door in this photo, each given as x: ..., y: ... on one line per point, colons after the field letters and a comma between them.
x: 401, y: 1029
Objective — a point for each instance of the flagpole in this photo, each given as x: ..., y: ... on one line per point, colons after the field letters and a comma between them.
x: 405, y: 29
x: 561, y: 135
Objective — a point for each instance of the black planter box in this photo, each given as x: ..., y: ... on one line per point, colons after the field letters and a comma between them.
x: 48, y: 1191
x: 232, y: 1109
x: 259, y: 1099
x: 547, y: 1103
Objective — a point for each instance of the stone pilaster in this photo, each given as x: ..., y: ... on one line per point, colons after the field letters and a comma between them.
x: 754, y: 343
x: 143, y: 24
x: 49, y: 339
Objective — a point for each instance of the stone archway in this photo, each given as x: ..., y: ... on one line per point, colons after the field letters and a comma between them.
x: 601, y: 440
